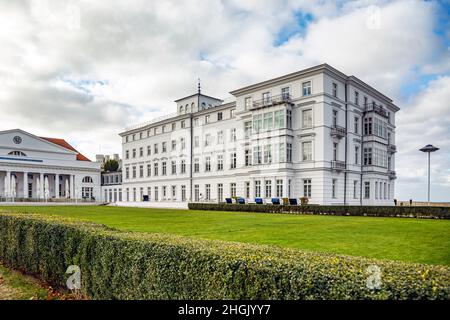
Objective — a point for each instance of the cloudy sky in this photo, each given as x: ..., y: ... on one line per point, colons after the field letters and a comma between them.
x: 83, y: 70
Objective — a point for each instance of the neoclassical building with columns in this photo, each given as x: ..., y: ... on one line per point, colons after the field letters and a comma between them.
x: 37, y: 168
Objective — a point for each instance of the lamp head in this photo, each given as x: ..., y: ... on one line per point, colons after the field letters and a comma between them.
x: 429, y: 148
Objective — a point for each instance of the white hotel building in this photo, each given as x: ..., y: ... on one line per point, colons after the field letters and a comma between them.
x: 316, y: 133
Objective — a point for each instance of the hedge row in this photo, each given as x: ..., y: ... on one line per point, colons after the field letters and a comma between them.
x: 373, y: 211
x: 119, y: 265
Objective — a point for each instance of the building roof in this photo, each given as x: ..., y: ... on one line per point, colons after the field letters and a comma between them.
x: 63, y: 143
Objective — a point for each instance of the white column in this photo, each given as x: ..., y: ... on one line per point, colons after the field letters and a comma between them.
x: 71, y: 184
x: 25, y: 184
x: 56, y: 186
x: 8, y: 184
x: 41, y: 185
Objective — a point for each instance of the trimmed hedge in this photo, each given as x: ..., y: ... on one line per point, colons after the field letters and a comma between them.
x: 372, y: 211
x: 120, y: 265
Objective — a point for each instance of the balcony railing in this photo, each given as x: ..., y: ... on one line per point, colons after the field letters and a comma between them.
x: 337, y: 165
x: 376, y: 108
x: 270, y: 101
x: 391, y: 148
x: 392, y: 175
x: 338, y: 131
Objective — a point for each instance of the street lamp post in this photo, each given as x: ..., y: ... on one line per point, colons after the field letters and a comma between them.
x: 429, y: 149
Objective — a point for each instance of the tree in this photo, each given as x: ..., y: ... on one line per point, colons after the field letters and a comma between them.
x: 111, y: 165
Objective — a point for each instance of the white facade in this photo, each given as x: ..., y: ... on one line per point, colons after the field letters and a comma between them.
x: 35, y: 168
x: 316, y: 133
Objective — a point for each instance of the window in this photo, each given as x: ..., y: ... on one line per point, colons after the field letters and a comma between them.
x: 335, y: 89
x: 208, y: 140
x: 279, y: 119
x: 268, y: 184
x: 141, y: 152
x: 174, y: 192
x: 183, y: 166
x: 268, y: 154
x: 196, y: 142
x: 219, y: 116
x: 164, y: 168
x: 134, y: 172
x: 367, y: 190
x: 87, y: 179
x: 233, y: 189
x: 127, y: 173
x: 196, y: 165
x: 335, y: 151
x: 306, y: 88
x: 233, y: 135
x: 134, y: 153
x: 289, y: 119
x: 207, y: 117
x: 357, y: 98
x: 233, y: 161
x: 248, y: 129
x: 149, y: 150
x: 174, y: 167
x: 335, y: 117
x: 248, y: 157
x: 156, y: 194
x: 356, y: 154
x: 141, y: 171
x: 155, y: 148
x: 220, y: 137
x: 257, y: 188
x: 365, y: 101
x: 279, y: 187
x: 155, y: 169
x: 257, y: 155
x: 307, y: 151
x: 289, y: 152
x: 334, y: 188
x: 257, y: 122
x: 356, y: 129
x: 355, y: 189
x: 248, y: 103
x: 232, y: 112
x: 183, y: 124
x: 207, y: 192
x: 307, y: 118
x: 282, y: 152
x: 127, y: 154
x: 181, y: 109
x: 376, y: 189
x: 266, y: 98
x: 307, y: 188
x: 247, y: 189
x: 367, y: 126
x: 174, y: 126
x: 196, y: 122
x: 183, y: 143
x: 220, y: 192
x: 267, y: 121
x: 149, y: 170
x: 207, y: 163
x: 174, y: 145
x: 219, y: 162
x: 164, y: 147
x: 285, y: 93
x: 367, y: 156
x: 17, y: 153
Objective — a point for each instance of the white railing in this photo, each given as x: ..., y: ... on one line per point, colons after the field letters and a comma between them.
x: 147, y: 123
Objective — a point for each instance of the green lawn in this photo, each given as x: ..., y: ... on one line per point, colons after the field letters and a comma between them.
x: 406, y: 239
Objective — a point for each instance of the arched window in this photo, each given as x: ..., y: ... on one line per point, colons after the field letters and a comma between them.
x: 203, y: 105
x: 186, y: 108
x: 87, y: 179
x: 181, y: 109
x: 17, y: 153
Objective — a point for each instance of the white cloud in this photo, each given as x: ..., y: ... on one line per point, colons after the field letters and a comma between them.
x: 78, y: 63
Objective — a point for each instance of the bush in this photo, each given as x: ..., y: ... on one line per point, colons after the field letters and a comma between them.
x: 372, y: 211
x: 119, y: 265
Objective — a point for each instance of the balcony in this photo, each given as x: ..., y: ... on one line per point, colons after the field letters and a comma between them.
x: 391, y: 148
x: 376, y: 108
x: 338, y: 131
x: 337, y: 165
x: 392, y: 175
x: 271, y: 101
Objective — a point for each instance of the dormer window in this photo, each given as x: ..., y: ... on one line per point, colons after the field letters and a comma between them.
x: 17, y: 153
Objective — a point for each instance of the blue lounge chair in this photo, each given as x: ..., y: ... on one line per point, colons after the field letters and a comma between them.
x: 293, y: 202
x: 275, y: 201
x: 259, y: 201
x: 229, y: 200
x: 241, y: 200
